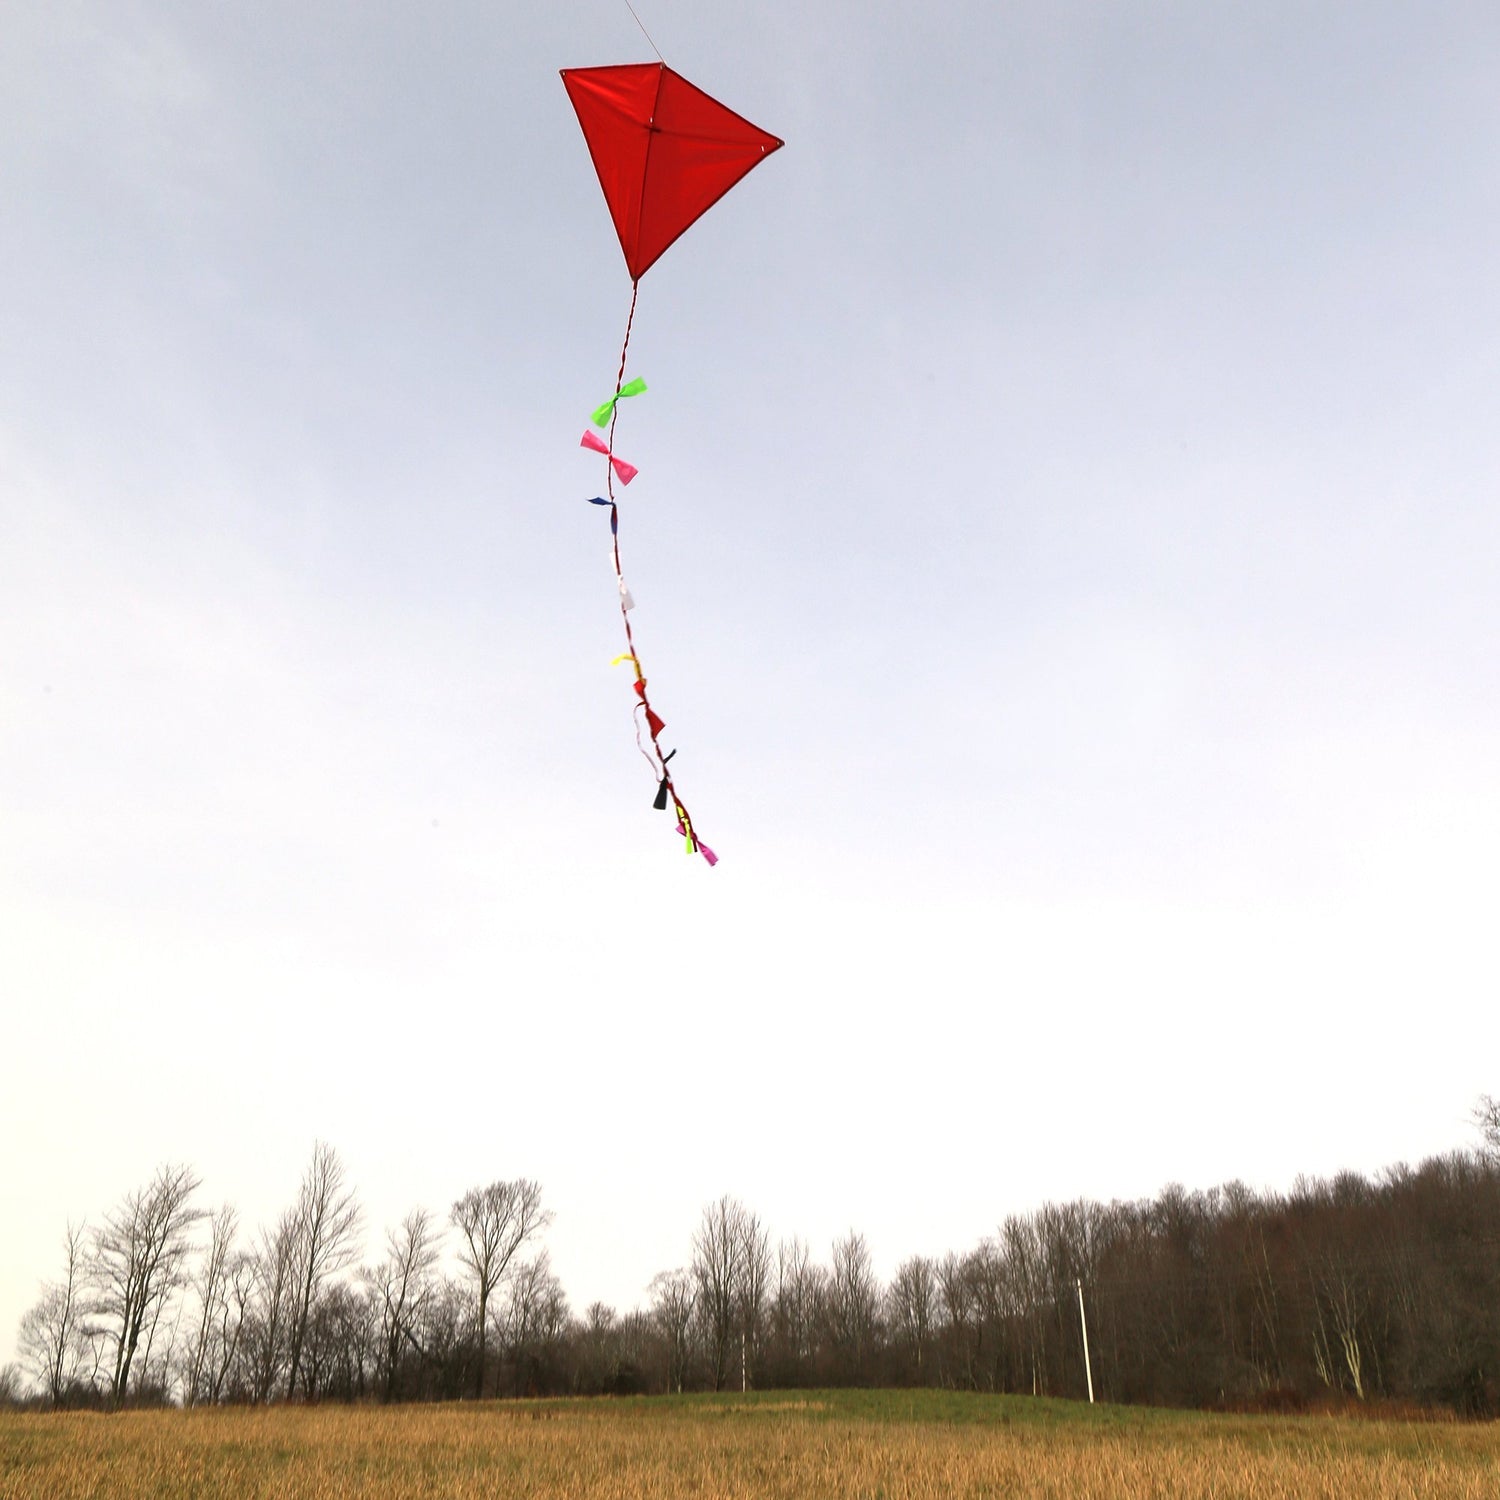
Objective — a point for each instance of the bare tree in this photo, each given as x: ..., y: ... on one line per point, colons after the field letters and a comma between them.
x: 341, y: 1349
x: 957, y: 1311
x: 912, y: 1300
x: 139, y: 1254
x: 718, y: 1251
x: 1486, y: 1117
x: 274, y: 1277
x: 495, y: 1222
x: 599, y: 1342
x: 235, y: 1302
x: 51, y: 1338
x: 155, y: 1364
x: 211, y: 1281
x: 403, y: 1286
x: 853, y: 1303
x: 797, y: 1306
x: 327, y: 1220
x: 751, y: 1290
x: 533, y: 1318
x: 445, y: 1338
x: 43, y: 1340
x: 672, y: 1309
x: 637, y: 1342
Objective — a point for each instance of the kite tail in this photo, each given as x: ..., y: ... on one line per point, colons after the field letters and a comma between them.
x: 635, y: 291
x: 666, y: 790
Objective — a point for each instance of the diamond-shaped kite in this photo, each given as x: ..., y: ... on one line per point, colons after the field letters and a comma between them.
x: 665, y: 153
x: 664, y: 150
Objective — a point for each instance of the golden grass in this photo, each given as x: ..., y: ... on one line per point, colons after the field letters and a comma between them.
x: 898, y: 1447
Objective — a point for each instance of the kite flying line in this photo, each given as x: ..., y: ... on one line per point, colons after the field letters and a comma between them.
x: 644, y: 32
x: 665, y: 153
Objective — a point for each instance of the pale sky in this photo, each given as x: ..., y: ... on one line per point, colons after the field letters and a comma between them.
x: 1066, y: 551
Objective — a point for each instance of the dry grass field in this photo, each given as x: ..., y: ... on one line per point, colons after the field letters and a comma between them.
x: 849, y: 1445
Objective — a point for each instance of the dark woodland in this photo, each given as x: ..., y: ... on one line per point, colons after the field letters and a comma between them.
x: 1339, y: 1292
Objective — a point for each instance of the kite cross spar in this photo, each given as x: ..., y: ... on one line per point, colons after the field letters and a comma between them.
x: 665, y: 153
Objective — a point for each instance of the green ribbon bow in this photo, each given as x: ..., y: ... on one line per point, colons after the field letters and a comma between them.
x: 630, y: 388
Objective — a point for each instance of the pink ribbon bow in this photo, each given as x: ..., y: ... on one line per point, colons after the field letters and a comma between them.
x: 699, y: 845
x: 626, y: 471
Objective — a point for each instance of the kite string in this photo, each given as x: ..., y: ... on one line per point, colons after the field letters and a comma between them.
x: 659, y: 765
x: 635, y: 291
x: 644, y: 32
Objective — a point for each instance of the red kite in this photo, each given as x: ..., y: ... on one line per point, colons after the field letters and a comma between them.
x: 664, y: 150
x: 665, y: 153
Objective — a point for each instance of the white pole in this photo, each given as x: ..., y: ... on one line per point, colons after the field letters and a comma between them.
x: 1083, y: 1323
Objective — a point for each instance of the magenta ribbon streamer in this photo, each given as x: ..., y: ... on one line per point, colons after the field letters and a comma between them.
x: 626, y: 471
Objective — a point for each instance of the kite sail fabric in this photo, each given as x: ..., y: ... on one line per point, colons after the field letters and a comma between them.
x: 664, y: 150
x: 665, y: 153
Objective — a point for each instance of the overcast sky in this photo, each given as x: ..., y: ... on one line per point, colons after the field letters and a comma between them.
x: 1066, y: 551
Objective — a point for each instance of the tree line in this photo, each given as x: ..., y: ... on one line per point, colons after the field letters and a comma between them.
x: 1350, y: 1288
